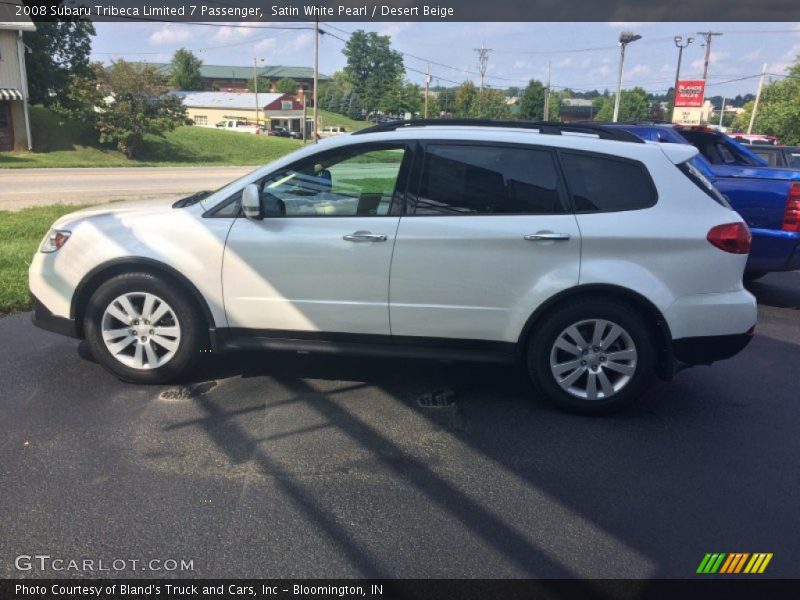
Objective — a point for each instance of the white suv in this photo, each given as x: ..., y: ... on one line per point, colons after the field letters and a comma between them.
x: 592, y: 258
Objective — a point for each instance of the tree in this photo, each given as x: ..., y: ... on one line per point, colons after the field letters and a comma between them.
x: 373, y: 68
x: 287, y: 85
x: 354, y: 109
x: 463, y: 98
x: 186, y: 71
x: 489, y: 104
x: 778, y: 109
x: 264, y: 85
x: 335, y: 101
x: 556, y: 102
x: 445, y: 102
x: 531, y: 104
x: 135, y: 103
x: 59, y: 51
x: 403, y: 98
x: 634, y: 106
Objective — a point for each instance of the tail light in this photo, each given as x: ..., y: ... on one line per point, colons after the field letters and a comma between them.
x: 731, y: 237
x: 791, y: 216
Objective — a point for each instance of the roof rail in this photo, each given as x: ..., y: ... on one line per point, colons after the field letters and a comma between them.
x: 544, y: 127
x: 632, y: 122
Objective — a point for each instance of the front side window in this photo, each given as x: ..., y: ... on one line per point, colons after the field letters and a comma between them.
x: 604, y: 184
x: 347, y: 182
x: 487, y: 180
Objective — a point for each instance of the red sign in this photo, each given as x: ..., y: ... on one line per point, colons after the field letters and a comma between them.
x: 690, y: 93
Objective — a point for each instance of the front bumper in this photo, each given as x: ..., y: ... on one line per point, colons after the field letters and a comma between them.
x: 44, y: 319
x: 708, y: 349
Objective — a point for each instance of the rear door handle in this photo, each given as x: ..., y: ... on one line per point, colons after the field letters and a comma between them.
x: 547, y: 235
x: 364, y: 236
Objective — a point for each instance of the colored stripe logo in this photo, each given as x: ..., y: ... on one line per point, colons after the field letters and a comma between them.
x: 733, y: 563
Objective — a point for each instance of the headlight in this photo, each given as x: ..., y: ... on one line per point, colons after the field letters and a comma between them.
x: 54, y: 240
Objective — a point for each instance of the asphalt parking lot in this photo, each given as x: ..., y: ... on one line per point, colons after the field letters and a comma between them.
x: 284, y: 465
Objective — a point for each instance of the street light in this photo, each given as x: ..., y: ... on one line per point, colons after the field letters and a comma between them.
x: 678, y: 40
x: 625, y: 38
x: 255, y: 87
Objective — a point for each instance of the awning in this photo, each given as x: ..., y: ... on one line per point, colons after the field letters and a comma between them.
x: 10, y: 94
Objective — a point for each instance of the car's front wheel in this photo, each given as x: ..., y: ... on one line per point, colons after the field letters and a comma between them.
x: 592, y: 356
x: 143, y: 328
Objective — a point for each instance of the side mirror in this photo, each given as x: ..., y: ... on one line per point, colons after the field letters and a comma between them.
x: 251, y: 202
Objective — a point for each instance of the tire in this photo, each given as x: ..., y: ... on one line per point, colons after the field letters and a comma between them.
x: 632, y: 350
x: 132, y: 347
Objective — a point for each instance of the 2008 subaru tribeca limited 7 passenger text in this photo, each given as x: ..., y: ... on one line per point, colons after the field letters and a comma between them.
x: 594, y: 259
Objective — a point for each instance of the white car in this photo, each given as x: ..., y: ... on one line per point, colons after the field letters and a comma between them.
x: 592, y: 258
x: 332, y: 130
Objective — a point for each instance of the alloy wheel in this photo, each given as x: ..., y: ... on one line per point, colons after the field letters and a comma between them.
x: 141, y: 330
x: 593, y: 359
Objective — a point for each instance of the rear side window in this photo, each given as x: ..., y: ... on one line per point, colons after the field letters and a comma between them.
x: 604, y: 184
x: 703, y: 183
x: 487, y: 180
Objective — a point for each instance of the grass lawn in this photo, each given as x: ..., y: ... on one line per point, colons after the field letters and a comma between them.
x: 20, y: 235
x: 59, y: 143
x: 69, y: 144
x: 329, y: 119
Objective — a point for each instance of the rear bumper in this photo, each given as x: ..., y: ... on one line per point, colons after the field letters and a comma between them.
x: 708, y: 349
x: 44, y: 319
x: 774, y: 250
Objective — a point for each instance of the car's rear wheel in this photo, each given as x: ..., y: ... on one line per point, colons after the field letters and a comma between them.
x: 592, y: 356
x: 143, y: 328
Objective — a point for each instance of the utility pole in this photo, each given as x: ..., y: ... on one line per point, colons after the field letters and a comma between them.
x: 721, y: 113
x: 427, y: 88
x: 315, y: 131
x: 255, y: 87
x: 708, y: 35
x: 305, y: 118
x: 625, y: 38
x: 758, y: 97
x: 483, y: 61
x: 547, y: 94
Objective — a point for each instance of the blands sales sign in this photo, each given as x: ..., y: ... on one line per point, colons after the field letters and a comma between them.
x: 690, y: 93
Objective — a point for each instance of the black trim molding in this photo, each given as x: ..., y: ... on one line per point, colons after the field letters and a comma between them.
x: 235, y: 338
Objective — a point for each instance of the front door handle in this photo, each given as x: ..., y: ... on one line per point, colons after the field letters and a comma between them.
x: 364, y: 236
x: 547, y: 236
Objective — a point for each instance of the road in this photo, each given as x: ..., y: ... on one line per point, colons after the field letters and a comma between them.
x: 270, y: 465
x: 32, y: 187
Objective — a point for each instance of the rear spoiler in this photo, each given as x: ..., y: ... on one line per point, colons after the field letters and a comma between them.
x: 678, y: 153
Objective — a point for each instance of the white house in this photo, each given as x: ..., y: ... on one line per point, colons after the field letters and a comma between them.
x: 15, y: 128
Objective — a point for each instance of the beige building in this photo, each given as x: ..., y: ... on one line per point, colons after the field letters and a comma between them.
x: 15, y: 129
x: 209, y: 108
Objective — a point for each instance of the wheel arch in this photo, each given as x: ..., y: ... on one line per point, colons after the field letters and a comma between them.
x: 655, y: 319
x: 105, y: 271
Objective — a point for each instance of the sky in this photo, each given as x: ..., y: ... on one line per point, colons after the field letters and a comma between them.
x: 582, y: 56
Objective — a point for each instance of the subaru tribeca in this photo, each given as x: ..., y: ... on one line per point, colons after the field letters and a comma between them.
x: 590, y: 257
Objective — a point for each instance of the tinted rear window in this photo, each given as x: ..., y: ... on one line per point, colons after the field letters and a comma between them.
x: 607, y: 184
x: 485, y: 180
